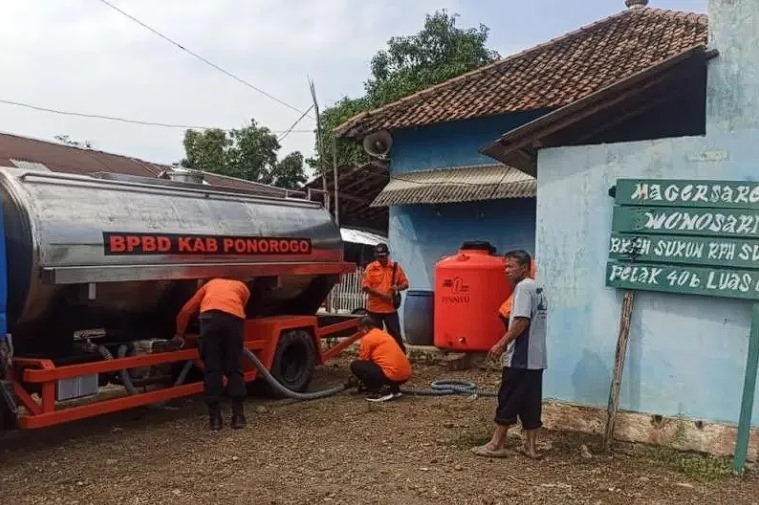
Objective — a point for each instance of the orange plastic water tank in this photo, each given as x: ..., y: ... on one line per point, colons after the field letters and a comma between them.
x: 470, y: 287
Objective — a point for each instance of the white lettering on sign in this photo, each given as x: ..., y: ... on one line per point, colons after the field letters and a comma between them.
x: 694, y: 193
x: 635, y: 274
x: 636, y: 245
x: 729, y: 281
x: 749, y: 252
x: 741, y: 224
x: 677, y: 279
x: 684, y: 278
x: 721, y: 251
x: 679, y: 249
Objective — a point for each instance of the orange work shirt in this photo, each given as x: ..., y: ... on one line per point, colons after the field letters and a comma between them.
x: 225, y: 295
x: 380, y: 278
x: 379, y: 347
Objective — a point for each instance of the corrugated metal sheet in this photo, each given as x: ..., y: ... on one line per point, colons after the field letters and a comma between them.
x: 460, y: 184
x: 361, y: 236
x: 30, y: 165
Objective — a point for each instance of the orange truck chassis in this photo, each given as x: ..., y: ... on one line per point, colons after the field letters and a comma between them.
x: 34, y: 381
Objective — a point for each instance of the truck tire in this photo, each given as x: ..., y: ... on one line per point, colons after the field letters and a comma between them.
x: 294, y: 362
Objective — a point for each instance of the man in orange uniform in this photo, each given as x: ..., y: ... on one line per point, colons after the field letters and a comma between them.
x: 381, y: 363
x: 383, y: 282
x: 221, y: 303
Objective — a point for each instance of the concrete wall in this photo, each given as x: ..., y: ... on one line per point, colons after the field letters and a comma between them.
x: 686, y: 355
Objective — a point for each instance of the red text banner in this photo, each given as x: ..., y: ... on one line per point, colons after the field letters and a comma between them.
x: 126, y: 243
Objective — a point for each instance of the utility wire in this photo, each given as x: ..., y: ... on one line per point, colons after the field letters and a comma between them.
x: 282, y: 137
x: 125, y: 120
x: 204, y: 60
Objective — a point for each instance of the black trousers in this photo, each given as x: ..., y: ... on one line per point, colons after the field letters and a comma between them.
x: 221, y: 345
x: 520, y: 396
x: 372, y: 376
x: 392, y: 323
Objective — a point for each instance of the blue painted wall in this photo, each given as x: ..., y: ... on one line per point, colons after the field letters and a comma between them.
x: 454, y: 144
x: 686, y: 354
x: 419, y: 235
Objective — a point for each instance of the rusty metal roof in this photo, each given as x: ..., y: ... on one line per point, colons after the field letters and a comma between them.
x: 35, y: 154
x: 57, y: 157
x: 457, y: 184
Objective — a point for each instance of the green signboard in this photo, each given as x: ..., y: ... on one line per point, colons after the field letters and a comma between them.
x: 681, y: 193
x: 691, y: 237
x: 693, y: 221
x: 705, y: 231
x: 687, y: 280
x: 683, y: 250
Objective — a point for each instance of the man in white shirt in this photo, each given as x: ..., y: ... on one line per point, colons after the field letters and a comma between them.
x: 524, y: 344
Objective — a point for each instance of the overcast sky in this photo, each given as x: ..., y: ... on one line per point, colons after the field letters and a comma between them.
x: 82, y: 56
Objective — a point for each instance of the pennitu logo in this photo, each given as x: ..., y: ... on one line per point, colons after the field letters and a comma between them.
x: 459, y: 292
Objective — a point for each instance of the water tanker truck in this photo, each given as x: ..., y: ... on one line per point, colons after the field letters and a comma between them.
x: 94, y: 268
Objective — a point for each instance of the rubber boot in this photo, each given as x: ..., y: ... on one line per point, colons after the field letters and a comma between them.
x: 215, y: 421
x: 238, y: 415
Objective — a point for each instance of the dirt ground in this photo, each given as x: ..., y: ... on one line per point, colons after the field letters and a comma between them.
x: 343, y: 450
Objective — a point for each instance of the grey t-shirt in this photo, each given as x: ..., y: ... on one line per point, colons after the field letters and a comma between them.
x: 528, y: 350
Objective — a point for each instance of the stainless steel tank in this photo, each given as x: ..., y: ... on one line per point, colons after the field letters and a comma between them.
x: 125, y: 252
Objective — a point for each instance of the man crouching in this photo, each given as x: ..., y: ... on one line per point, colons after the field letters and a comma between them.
x: 382, y: 366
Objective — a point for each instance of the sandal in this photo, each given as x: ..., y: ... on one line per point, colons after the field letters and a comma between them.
x: 486, y: 451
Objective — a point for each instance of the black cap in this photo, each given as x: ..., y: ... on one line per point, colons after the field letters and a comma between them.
x: 381, y: 250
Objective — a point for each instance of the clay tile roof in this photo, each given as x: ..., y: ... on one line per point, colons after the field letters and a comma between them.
x: 547, y: 76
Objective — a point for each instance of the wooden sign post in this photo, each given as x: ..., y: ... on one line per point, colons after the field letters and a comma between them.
x: 692, y: 238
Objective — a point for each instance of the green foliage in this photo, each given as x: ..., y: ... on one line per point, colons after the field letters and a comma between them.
x: 249, y: 153
x: 331, y: 118
x: 288, y: 173
x: 440, y: 51
x: 437, y: 53
x: 698, y: 467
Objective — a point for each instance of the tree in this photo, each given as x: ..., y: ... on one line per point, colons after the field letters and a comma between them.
x: 440, y: 51
x: 250, y: 153
x: 331, y: 118
x: 288, y: 173
x: 206, y: 150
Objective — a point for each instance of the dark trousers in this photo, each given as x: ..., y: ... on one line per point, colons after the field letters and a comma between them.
x: 372, y: 376
x: 392, y: 324
x: 221, y: 345
x: 520, y: 396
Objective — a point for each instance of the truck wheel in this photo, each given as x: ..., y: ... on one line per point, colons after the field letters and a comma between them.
x: 294, y: 361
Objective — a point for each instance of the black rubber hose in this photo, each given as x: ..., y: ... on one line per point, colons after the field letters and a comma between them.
x: 445, y: 387
x: 127, y: 380
x: 269, y: 378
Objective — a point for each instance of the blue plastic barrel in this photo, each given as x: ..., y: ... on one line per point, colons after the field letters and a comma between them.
x: 418, y: 317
